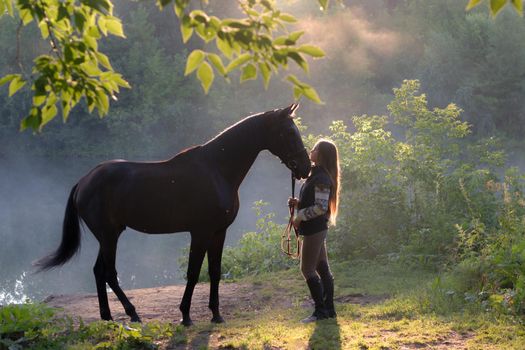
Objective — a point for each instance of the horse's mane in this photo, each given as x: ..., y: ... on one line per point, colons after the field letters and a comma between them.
x: 234, y: 126
x: 186, y: 150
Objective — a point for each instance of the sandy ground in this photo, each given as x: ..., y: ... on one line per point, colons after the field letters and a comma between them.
x: 162, y: 304
x: 159, y: 303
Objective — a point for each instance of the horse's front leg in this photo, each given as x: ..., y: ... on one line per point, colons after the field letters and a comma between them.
x: 198, y: 247
x: 214, y: 269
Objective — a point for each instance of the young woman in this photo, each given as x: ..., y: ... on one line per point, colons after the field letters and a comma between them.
x: 316, y: 207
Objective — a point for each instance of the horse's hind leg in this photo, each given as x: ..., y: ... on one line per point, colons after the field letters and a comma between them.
x: 214, y: 270
x: 197, y: 251
x: 102, y: 294
x: 109, y: 251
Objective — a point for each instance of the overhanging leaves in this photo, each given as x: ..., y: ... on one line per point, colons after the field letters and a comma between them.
x: 75, y: 69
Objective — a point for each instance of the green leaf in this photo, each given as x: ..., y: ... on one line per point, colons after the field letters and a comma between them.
x: 293, y: 37
x: 62, y: 12
x: 104, y: 60
x: 194, y: 61
x: 249, y: 72
x: 217, y: 63
x: 33, y: 120
x: 323, y: 4
x: 206, y: 76
x: 224, y: 47
x: 207, y: 33
x: 185, y: 28
x: 102, y: 102
x: 518, y: 5
x: 102, y: 25
x: 301, y: 88
x: 102, y: 6
x: 496, y: 6
x: 280, y: 40
x: 287, y: 18
x: 293, y: 79
x: 299, y: 60
x: 238, y: 61
x: 80, y: 20
x: 66, y: 108
x: 38, y: 100
x: 9, y: 5
x: 8, y: 78
x: 311, y: 50
x: 26, y: 16
x: 48, y: 113
x: 297, y: 92
x: 16, y: 84
x: 311, y: 94
x: 120, y: 81
x: 114, y: 26
x: 91, y: 68
x: 199, y: 16
x: 2, y: 7
x: 473, y: 3
x: 267, y: 4
x: 266, y: 73
x: 178, y: 10
x: 162, y: 3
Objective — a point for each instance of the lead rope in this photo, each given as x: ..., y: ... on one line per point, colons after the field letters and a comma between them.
x: 286, y: 238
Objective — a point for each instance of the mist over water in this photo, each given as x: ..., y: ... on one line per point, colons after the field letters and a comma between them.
x: 33, y: 195
x: 370, y: 49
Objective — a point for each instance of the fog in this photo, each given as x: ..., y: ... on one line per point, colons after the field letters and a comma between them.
x: 33, y: 194
x: 370, y: 50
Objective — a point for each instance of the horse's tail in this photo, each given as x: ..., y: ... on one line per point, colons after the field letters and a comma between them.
x: 70, y: 238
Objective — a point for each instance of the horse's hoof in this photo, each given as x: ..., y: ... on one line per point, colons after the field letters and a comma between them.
x: 186, y: 322
x: 136, y: 319
x: 217, y: 319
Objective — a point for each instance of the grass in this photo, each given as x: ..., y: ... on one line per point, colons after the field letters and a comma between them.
x: 381, y: 306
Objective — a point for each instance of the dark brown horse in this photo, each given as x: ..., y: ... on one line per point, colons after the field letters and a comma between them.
x: 195, y: 191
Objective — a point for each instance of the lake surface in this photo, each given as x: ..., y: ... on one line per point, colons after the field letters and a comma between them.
x: 33, y: 195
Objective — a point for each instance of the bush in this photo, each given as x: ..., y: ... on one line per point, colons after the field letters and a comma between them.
x: 37, y: 326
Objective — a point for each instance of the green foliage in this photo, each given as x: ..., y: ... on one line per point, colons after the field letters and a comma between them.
x: 24, y: 318
x: 37, y: 326
x: 497, y: 5
x: 498, y: 250
x: 258, y: 252
x: 402, y: 196
x: 76, y: 69
x: 247, y: 44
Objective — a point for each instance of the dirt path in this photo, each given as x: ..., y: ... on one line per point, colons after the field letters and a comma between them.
x: 159, y: 303
x: 162, y: 304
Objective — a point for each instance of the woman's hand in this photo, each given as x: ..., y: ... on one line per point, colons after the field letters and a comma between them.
x: 293, y: 202
x: 296, y: 221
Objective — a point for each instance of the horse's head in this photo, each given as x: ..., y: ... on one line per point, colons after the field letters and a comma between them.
x: 286, y: 143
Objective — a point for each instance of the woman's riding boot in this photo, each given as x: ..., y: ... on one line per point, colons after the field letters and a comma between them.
x: 316, y: 290
x: 328, y: 287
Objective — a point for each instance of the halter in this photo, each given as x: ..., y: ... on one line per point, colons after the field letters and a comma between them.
x: 286, y: 236
x: 292, y: 164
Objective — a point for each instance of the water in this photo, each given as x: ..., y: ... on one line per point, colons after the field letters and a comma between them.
x: 33, y: 194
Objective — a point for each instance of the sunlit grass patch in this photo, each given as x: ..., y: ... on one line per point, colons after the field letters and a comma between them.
x: 387, y: 310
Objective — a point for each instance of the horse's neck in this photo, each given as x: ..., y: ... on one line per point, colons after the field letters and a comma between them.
x: 235, y: 150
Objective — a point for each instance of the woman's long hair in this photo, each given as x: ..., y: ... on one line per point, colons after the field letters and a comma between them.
x: 328, y: 158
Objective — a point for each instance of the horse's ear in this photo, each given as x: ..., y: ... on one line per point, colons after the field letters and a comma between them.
x: 290, y: 110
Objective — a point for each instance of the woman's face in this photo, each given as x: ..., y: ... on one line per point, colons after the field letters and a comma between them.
x: 314, y: 154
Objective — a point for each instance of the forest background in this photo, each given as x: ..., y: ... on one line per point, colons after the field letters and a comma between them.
x: 424, y: 100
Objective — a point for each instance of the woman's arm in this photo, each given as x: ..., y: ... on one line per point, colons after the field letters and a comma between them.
x: 320, y: 207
